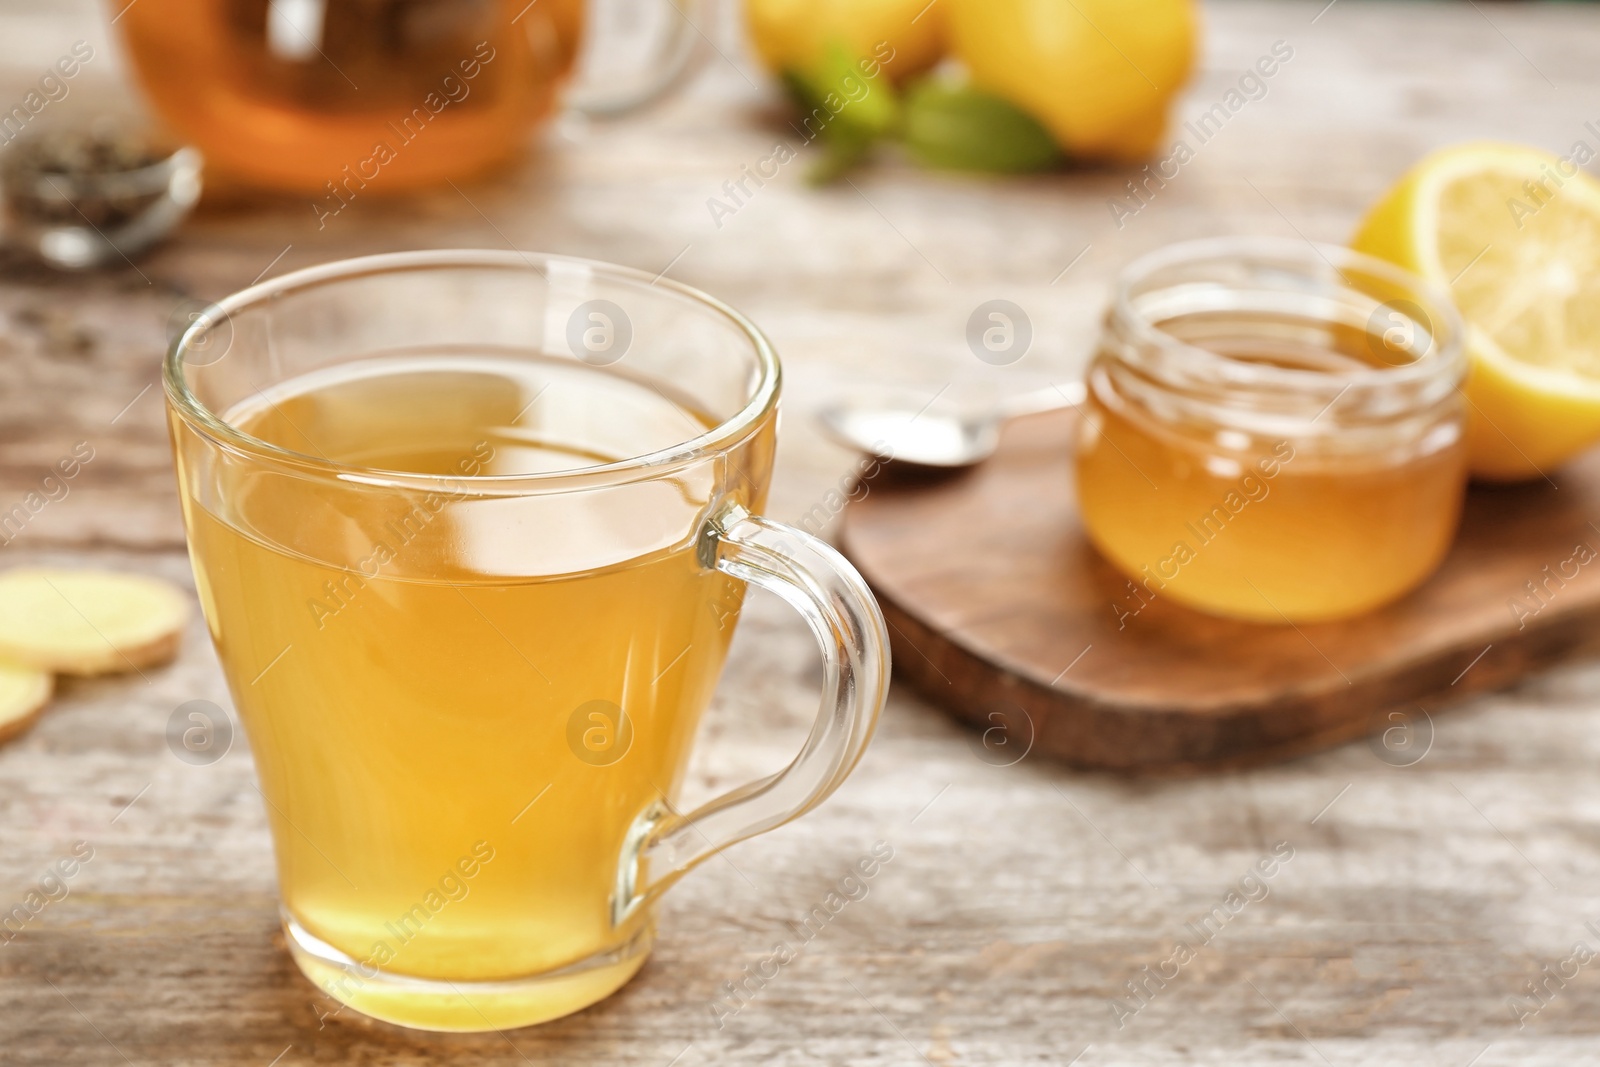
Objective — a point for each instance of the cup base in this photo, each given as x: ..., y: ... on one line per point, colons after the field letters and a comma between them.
x: 465, y: 1007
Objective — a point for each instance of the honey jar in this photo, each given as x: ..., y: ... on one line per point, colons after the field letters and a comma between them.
x: 1274, y: 431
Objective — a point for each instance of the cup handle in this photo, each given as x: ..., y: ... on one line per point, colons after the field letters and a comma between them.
x: 678, y: 52
x: 832, y: 597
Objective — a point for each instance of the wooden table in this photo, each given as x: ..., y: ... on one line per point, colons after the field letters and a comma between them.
x: 1021, y: 899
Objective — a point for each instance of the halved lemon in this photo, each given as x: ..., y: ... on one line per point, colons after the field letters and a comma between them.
x: 1514, y: 233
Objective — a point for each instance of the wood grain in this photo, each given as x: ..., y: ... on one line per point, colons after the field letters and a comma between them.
x: 1003, y: 613
x: 1021, y: 899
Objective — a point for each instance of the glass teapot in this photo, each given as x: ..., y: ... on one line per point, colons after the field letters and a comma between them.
x: 333, y: 95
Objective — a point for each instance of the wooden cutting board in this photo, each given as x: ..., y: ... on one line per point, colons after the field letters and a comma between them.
x: 1002, y: 613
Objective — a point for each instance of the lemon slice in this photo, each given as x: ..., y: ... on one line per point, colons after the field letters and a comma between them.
x: 88, y: 622
x: 23, y: 693
x: 1515, y: 234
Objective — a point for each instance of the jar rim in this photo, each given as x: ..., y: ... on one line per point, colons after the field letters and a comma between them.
x: 1445, y: 358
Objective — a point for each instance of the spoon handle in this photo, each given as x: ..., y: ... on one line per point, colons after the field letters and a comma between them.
x: 1051, y: 397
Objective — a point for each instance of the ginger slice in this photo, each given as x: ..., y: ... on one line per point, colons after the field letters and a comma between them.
x: 23, y: 695
x: 88, y: 622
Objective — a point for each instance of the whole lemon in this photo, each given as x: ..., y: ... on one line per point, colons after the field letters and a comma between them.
x: 1097, y: 73
x: 904, y: 36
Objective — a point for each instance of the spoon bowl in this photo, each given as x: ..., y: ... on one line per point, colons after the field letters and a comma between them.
x: 935, y: 440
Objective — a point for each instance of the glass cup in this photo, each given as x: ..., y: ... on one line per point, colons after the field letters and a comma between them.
x: 332, y: 97
x: 471, y: 696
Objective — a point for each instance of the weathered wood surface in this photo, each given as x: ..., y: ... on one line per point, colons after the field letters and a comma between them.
x: 1002, y: 613
x: 1021, y: 898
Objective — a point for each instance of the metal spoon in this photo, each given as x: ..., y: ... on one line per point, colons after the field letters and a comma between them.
x: 937, y: 440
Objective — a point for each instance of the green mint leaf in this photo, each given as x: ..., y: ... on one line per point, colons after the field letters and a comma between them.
x: 957, y: 127
x: 842, y: 109
x: 867, y: 105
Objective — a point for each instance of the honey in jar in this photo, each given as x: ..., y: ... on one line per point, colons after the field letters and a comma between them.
x: 1273, y: 432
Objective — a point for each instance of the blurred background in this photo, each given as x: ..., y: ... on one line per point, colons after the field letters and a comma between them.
x: 868, y: 280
